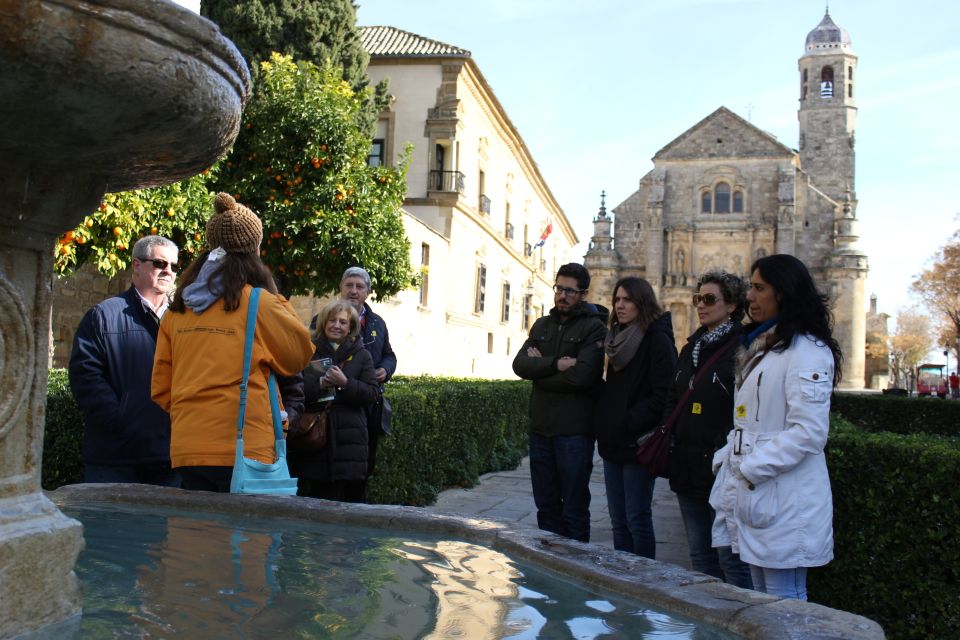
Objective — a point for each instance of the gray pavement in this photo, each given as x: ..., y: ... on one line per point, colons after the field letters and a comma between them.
x: 506, y: 496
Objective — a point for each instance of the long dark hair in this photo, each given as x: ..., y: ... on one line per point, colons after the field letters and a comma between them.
x: 641, y: 294
x: 802, y: 308
x: 236, y: 270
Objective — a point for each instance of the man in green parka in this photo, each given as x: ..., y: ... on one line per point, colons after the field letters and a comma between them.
x: 563, y: 356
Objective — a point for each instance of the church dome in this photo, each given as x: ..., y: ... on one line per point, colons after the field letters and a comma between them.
x: 827, y: 37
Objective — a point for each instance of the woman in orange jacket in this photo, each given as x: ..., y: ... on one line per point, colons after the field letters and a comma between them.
x: 199, y: 359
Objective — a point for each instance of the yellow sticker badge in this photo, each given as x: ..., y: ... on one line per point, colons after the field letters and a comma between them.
x: 741, y: 411
x: 697, y: 408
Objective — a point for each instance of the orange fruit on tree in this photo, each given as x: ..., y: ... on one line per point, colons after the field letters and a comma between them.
x: 117, y: 231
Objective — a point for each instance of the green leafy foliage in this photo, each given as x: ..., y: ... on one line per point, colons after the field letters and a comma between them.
x: 896, y: 521
x: 62, y: 435
x: 899, y: 414
x: 106, y: 237
x: 315, y: 31
x: 446, y: 433
x: 301, y: 163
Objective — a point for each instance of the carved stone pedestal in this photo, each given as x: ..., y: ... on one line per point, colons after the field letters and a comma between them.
x: 96, y: 96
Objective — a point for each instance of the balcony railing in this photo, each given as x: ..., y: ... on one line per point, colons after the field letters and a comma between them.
x: 484, y: 204
x: 508, y: 231
x: 451, y: 181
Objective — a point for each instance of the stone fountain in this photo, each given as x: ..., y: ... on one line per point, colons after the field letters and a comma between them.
x: 95, y: 96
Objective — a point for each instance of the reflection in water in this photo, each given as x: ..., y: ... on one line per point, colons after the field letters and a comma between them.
x: 166, y: 574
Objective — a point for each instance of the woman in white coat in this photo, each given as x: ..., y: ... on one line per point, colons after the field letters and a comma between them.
x: 772, y: 492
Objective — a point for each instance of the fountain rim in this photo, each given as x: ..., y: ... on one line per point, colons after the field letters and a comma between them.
x: 696, y: 596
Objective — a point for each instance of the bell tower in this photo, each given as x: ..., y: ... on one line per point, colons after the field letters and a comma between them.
x: 828, y: 111
x: 828, y: 121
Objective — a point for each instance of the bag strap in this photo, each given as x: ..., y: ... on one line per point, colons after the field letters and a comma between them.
x: 247, y: 356
x: 703, y: 370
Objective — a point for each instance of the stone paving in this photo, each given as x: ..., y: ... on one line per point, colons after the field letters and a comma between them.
x: 506, y: 496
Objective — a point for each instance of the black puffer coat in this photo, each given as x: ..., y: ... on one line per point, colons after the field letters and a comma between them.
x: 345, y: 456
x: 706, y: 418
x: 632, y: 399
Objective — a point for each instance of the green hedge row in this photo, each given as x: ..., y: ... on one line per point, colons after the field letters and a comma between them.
x: 896, y: 525
x: 899, y: 414
x: 445, y: 433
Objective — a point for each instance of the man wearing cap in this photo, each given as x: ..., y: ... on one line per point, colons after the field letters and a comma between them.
x: 126, y: 437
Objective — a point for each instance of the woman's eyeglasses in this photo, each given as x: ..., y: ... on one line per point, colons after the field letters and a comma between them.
x: 708, y: 299
x: 160, y: 264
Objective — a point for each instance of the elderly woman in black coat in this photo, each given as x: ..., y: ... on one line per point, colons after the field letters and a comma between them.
x: 339, y: 470
x: 705, y: 419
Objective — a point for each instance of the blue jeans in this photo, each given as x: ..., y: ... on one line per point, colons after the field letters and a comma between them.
x: 560, y: 468
x: 721, y: 562
x: 158, y: 473
x: 787, y: 583
x: 629, y: 501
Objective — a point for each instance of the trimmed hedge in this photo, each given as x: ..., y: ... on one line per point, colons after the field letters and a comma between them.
x: 896, y: 525
x: 62, y: 435
x: 899, y: 414
x: 446, y: 432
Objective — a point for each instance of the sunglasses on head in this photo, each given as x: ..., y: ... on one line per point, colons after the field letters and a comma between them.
x: 160, y: 264
x: 708, y: 299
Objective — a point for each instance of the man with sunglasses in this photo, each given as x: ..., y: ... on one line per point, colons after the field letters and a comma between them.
x: 126, y: 436
x: 564, y: 358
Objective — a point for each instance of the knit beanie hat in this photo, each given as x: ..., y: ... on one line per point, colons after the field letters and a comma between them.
x: 233, y: 226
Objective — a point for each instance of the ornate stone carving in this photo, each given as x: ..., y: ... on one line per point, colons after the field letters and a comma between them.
x: 17, y: 356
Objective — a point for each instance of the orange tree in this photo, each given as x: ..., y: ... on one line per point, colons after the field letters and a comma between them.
x: 300, y: 161
x: 105, y: 238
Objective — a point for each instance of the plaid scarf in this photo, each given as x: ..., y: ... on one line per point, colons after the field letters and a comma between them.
x: 710, y: 336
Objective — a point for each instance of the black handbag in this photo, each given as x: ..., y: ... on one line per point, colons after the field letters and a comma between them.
x: 653, y: 448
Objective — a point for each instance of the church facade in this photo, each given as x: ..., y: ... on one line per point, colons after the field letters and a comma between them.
x: 725, y: 192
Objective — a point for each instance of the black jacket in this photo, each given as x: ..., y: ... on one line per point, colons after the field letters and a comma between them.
x: 561, y: 404
x: 706, y: 417
x: 346, y: 453
x: 111, y: 366
x: 632, y: 399
x: 376, y: 340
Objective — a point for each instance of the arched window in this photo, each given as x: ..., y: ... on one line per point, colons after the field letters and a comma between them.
x: 721, y: 198
x: 738, y: 201
x: 706, y: 203
x: 826, y: 82
x: 803, y: 86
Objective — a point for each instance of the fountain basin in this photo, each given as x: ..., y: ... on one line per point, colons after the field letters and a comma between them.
x: 137, y: 93
x: 739, y: 612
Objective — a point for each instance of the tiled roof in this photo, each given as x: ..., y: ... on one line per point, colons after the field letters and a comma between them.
x: 393, y: 42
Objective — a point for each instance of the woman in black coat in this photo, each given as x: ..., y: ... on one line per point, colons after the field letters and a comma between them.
x: 705, y: 419
x: 339, y: 470
x: 641, y: 357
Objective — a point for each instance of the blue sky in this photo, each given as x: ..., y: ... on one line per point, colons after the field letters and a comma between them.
x: 597, y: 87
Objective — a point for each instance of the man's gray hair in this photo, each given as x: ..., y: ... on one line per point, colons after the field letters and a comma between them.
x: 356, y: 272
x: 141, y: 249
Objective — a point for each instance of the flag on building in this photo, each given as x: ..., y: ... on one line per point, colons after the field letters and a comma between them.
x: 545, y: 234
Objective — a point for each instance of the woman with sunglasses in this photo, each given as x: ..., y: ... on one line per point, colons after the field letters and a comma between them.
x: 705, y: 368
x: 772, y: 492
x: 641, y: 357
